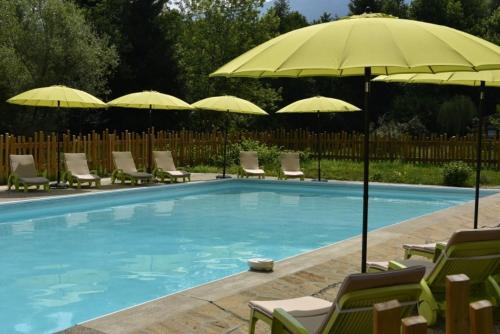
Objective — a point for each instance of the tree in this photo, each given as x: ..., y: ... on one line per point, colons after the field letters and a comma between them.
x: 456, y: 114
x: 357, y: 7
x: 288, y: 20
x: 213, y: 33
x: 44, y: 43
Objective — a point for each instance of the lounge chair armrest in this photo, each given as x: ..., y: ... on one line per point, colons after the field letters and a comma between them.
x: 284, y: 323
x: 394, y: 265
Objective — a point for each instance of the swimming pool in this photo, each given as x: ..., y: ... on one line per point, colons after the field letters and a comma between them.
x: 70, y: 259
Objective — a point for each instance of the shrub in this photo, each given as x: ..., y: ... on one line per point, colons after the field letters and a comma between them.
x: 268, y: 155
x: 456, y: 173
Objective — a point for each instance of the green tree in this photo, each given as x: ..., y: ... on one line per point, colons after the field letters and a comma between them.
x: 456, y: 114
x: 288, y: 20
x: 43, y: 43
x: 357, y: 7
x: 213, y: 33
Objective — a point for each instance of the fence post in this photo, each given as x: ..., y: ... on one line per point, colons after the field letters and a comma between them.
x: 387, y: 317
x: 457, y: 301
x: 414, y: 325
x: 481, y: 317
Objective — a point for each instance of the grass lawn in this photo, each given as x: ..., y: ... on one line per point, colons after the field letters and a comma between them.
x: 391, y: 172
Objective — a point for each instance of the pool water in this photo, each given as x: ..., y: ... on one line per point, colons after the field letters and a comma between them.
x: 68, y: 260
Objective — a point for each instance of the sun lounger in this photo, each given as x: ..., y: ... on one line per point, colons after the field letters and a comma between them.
x: 77, y: 170
x: 475, y: 253
x: 290, y: 166
x: 23, y: 173
x: 249, y: 165
x: 352, y: 310
x: 126, y: 170
x: 165, y: 167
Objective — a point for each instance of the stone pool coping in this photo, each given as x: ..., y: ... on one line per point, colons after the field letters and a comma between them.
x: 221, y: 306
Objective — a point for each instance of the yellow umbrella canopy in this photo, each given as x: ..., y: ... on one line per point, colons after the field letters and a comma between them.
x: 346, y: 47
x: 57, y: 96
x: 229, y: 103
x: 490, y: 78
x: 150, y: 100
x: 318, y: 104
x: 481, y: 79
x: 368, y: 44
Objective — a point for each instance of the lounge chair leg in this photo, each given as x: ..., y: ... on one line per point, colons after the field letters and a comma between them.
x: 253, y: 321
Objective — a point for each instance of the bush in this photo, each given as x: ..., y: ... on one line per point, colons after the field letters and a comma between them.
x: 268, y: 155
x: 456, y: 174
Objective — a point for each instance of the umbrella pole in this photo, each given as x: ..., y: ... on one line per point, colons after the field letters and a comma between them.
x: 318, y: 147
x: 366, y: 156
x: 479, y: 149
x: 150, y: 139
x: 58, y: 184
x: 225, y: 145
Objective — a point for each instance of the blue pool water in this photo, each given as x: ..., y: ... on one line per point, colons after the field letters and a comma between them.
x: 64, y: 261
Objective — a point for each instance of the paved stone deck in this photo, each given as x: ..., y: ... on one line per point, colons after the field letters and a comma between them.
x: 221, y: 306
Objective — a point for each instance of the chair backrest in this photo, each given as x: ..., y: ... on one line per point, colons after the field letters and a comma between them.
x: 124, y: 161
x: 352, y: 311
x: 290, y: 162
x: 475, y: 253
x: 164, y: 160
x: 76, y: 163
x: 23, y: 165
x: 249, y: 160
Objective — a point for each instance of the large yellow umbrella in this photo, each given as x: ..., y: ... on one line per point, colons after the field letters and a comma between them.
x: 57, y: 97
x: 317, y: 105
x: 228, y: 104
x: 364, y: 45
x: 482, y: 79
x: 150, y: 100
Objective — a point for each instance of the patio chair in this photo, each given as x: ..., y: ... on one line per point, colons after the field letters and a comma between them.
x: 249, y: 165
x: 77, y: 171
x: 475, y: 253
x: 165, y: 167
x: 290, y: 166
x: 352, y: 310
x: 23, y: 173
x: 125, y: 169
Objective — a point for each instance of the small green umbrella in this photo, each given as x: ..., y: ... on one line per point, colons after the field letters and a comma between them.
x: 228, y: 104
x: 150, y: 100
x: 318, y: 104
x: 56, y: 97
x: 481, y: 79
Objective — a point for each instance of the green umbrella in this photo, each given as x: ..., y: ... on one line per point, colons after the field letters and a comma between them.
x: 364, y: 45
x: 317, y: 105
x: 56, y: 97
x: 482, y: 79
x: 228, y: 104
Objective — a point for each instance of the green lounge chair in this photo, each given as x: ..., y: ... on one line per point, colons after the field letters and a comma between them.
x: 24, y: 174
x: 77, y: 171
x: 165, y: 167
x: 249, y: 165
x: 352, y: 310
x: 475, y: 253
x: 125, y: 169
x: 290, y: 166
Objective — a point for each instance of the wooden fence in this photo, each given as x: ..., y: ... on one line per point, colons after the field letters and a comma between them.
x: 191, y: 148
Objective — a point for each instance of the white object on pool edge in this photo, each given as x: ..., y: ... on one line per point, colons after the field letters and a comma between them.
x: 259, y: 264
